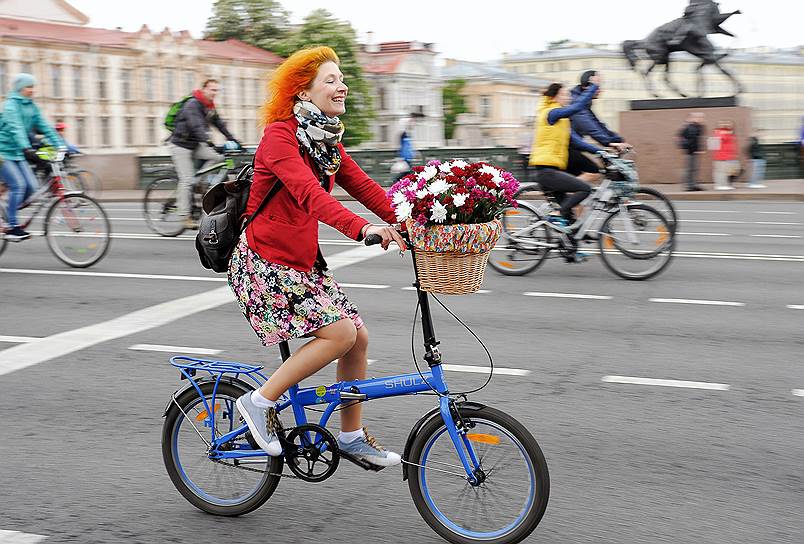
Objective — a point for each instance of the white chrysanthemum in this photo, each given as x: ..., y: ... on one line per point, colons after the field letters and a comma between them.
x: 399, y: 198
x: 438, y: 212
x: 488, y: 169
x: 459, y: 199
x: 460, y: 164
x: 439, y: 186
x: 445, y: 167
x: 428, y: 173
x: 421, y: 193
x: 403, y: 211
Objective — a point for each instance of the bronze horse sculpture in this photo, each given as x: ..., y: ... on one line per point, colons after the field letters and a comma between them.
x: 687, y: 33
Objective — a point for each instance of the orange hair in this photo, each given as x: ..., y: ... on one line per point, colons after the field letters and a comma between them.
x: 290, y: 78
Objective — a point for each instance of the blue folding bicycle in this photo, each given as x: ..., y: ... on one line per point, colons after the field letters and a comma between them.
x: 475, y: 473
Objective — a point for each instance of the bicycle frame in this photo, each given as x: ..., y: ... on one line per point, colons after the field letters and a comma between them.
x: 333, y: 396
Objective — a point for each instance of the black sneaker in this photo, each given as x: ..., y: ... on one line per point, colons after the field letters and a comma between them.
x: 16, y: 234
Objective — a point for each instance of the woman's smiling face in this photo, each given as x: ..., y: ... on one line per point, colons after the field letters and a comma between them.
x: 327, y: 91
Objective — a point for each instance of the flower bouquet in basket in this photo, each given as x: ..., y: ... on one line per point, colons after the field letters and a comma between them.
x: 451, y: 210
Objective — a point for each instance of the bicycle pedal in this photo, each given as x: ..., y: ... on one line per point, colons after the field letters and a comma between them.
x: 362, y: 463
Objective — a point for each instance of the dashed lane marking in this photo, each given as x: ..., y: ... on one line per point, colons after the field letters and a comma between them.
x: 16, y: 537
x: 775, y: 236
x: 174, y: 349
x: 18, y: 339
x: 568, y: 295
x: 486, y: 369
x: 798, y: 392
x: 796, y: 306
x: 694, y: 301
x: 702, y: 234
x: 665, y: 383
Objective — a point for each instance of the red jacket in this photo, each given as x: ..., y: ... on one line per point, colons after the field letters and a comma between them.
x: 728, y: 145
x: 286, y: 230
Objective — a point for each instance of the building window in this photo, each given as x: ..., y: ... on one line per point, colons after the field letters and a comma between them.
x: 485, y: 107
x: 103, y: 91
x: 126, y: 81
x: 3, y: 77
x: 246, y: 124
x: 27, y: 67
x: 105, y: 132
x: 148, y: 84
x: 55, y: 80
x: 381, y: 99
x: 78, y: 82
x: 189, y: 82
x: 129, y: 131
x: 257, y: 91
x: 243, y: 90
x: 383, y: 134
x: 153, y: 131
x: 169, y: 90
x: 80, y: 131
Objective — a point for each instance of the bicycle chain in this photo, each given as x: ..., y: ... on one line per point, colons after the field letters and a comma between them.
x: 241, y: 467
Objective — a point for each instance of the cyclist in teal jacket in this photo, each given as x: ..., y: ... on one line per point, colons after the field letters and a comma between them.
x: 21, y: 116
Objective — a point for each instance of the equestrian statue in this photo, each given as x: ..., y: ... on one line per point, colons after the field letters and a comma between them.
x: 687, y: 33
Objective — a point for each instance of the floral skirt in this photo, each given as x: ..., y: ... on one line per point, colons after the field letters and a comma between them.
x: 282, y: 303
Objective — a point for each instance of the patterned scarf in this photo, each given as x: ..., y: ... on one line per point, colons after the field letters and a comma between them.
x: 319, y: 135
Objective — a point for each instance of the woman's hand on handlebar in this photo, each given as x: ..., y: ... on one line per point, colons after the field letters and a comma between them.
x: 386, y: 234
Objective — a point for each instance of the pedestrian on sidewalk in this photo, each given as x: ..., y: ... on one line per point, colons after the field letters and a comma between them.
x: 757, y: 162
x: 689, y: 140
x: 725, y: 163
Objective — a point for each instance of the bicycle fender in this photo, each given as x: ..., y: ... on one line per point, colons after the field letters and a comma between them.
x: 179, y: 392
x: 435, y: 412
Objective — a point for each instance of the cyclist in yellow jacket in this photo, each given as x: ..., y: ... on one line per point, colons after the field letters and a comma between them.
x: 551, y: 143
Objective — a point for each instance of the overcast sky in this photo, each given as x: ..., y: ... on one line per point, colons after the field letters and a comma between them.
x: 483, y: 30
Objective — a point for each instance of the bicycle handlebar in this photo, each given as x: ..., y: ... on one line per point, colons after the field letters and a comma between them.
x: 372, y: 239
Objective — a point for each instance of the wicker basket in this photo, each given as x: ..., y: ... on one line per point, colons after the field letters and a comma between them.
x: 451, y: 259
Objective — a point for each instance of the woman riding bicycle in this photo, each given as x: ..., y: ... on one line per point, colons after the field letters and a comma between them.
x: 277, y: 272
x: 551, y: 144
x: 21, y: 116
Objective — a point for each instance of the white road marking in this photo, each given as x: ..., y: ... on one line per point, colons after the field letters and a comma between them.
x: 16, y: 537
x: 796, y: 306
x: 479, y: 291
x: 693, y: 301
x: 775, y: 236
x: 174, y: 349
x: 363, y: 286
x: 19, y: 339
x: 568, y: 295
x: 58, y: 345
x: 729, y: 222
x: 709, y: 211
x: 665, y: 383
x: 776, y: 223
x: 778, y: 213
x: 702, y: 234
x: 486, y: 369
x: 110, y: 275
x: 798, y: 392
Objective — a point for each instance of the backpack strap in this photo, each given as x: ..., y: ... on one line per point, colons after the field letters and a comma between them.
x: 275, y: 189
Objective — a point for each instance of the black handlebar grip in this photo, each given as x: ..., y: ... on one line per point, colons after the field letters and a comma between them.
x: 372, y: 239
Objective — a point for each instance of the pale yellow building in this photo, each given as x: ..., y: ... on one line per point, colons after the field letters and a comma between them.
x: 113, y: 88
x: 772, y: 80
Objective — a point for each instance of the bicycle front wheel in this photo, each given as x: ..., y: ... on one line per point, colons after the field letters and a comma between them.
x: 228, y: 487
x: 509, y: 503
x: 161, y: 210
x: 659, y: 202
x: 637, y: 244
x: 525, y: 241
x: 77, y: 230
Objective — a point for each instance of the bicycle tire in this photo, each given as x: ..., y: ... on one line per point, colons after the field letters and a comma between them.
x: 517, y: 256
x: 660, y: 202
x: 77, y: 229
x: 159, y: 205
x: 90, y: 181
x: 3, y: 225
x: 539, y: 486
x: 608, y: 244
x: 177, y: 472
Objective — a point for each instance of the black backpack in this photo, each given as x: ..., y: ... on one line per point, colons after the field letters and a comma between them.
x: 220, y: 229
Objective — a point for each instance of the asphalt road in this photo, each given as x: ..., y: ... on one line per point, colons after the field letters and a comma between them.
x: 629, y: 462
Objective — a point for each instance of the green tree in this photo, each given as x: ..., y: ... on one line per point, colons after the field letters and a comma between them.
x: 454, y: 104
x: 262, y: 23
x: 321, y: 28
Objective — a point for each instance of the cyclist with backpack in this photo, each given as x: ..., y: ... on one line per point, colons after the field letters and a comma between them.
x: 21, y: 116
x: 277, y: 271
x: 189, y: 121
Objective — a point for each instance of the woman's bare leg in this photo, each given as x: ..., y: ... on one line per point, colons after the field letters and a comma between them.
x: 330, y: 342
x: 352, y: 366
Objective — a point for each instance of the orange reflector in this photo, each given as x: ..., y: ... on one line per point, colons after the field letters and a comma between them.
x: 512, y: 212
x: 505, y: 264
x: 203, y: 415
x: 484, y: 438
x: 608, y: 242
x: 662, y: 235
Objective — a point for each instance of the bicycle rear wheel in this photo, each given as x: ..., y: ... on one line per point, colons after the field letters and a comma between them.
x: 659, y: 202
x: 161, y: 211
x: 525, y: 241
x: 506, y: 507
x: 3, y: 225
x: 77, y: 230
x: 227, y: 487
x: 638, y: 244
x: 90, y: 182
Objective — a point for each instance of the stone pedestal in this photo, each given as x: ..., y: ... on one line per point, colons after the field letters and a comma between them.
x: 652, y: 127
